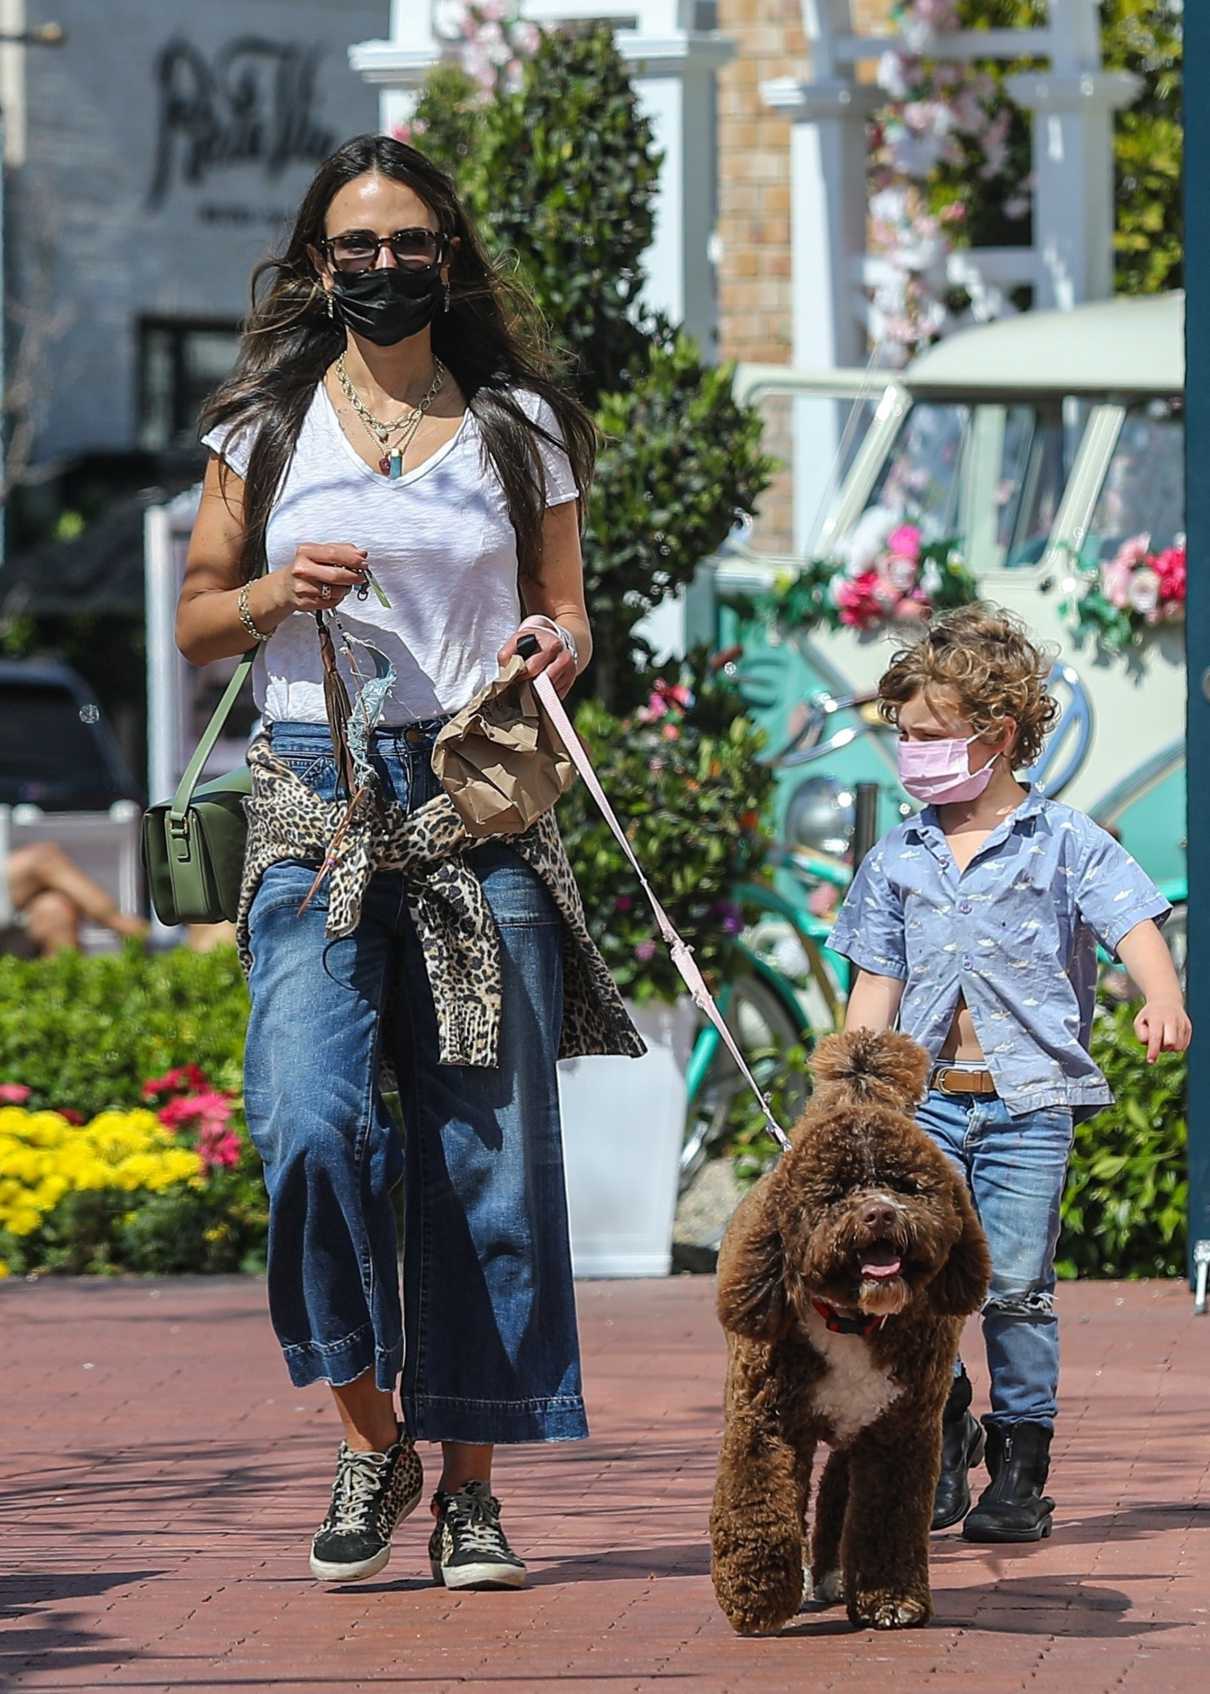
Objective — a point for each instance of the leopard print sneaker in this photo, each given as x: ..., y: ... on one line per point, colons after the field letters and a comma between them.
x: 468, y: 1548
x: 372, y: 1493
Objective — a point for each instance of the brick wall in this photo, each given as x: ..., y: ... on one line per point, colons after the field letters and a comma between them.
x: 754, y: 207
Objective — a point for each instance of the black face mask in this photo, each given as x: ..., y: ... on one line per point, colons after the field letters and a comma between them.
x: 388, y: 303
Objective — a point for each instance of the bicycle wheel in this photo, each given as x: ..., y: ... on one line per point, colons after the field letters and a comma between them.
x: 764, y: 1028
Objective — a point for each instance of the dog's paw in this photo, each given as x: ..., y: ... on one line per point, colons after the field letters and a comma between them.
x: 817, y: 1596
x: 758, y: 1580
x: 877, y: 1608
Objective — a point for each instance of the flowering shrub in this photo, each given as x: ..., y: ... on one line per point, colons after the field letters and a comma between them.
x: 945, y: 128
x: 167, y: 1186
x: 950, y: 161
x: 1116, y: 601
x: 899, y: 579
x: 488, y: 42
x: 683, y: 777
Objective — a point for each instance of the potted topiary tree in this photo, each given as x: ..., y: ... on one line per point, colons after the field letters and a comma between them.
x: 562, y: 173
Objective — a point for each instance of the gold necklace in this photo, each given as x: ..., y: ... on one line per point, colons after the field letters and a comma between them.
x: 391, y: 463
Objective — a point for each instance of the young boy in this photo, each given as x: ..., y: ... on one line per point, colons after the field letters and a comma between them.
x: 973, y: 926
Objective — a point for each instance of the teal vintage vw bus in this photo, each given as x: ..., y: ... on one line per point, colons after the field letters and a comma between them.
x: 1042, y: 448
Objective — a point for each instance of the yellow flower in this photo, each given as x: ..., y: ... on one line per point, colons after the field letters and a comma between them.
x: 44, y: 1157
x: 4, y: 1271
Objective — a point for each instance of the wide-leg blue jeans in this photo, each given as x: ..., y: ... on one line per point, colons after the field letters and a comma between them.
x: 486, y: 1332
x: 1015, y: 1169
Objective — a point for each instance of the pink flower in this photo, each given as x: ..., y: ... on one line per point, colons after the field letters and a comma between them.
x: 1115, y: 582
x: 218, y: 1146
x: 1171, y: 566
x: 1133, y: 552
x: 623, y: 903
x: 70, y: 1113
x: 911, y: 609
x: 211, y: 1108
x: 663, y: 698
x: 670, y: 732
x: 14, y: 1093
x: 176, y: 1081
x: 904, y: 542
x: 858, y: 602
x: 645, y: 950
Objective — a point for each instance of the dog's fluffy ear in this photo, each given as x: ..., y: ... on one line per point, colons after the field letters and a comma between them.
x: 751, y: 1269
x: 960, y: 1286
x: 864, y: 1058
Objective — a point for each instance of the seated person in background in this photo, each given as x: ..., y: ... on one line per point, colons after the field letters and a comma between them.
x: 45, y: 897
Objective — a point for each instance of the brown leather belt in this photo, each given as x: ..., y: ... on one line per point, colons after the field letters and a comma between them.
x: 952, y: 1079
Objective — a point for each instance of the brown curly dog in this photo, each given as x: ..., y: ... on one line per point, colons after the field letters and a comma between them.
x: 842, y: 1284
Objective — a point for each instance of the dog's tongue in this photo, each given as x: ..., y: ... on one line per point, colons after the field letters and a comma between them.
x: 880, y: 1260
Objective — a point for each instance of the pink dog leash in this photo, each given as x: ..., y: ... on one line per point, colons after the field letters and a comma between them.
x: 680, y: 951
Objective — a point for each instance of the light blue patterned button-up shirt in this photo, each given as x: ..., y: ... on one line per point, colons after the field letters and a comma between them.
x: 1015, y: 935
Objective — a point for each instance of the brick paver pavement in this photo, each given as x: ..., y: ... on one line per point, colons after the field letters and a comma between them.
x: 161, y: 1480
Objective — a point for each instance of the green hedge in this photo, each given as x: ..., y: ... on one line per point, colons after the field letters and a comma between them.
x: 1125, y: 1211
x: 86, y: 1032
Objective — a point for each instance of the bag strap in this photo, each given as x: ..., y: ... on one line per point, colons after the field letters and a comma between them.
x: 681, y: 952
x: 183, y: 797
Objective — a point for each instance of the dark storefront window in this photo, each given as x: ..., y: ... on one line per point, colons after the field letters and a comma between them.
x: 180, y: 363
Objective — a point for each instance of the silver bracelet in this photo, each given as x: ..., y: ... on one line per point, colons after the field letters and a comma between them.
x: 566, y: 639
x: 245, y: 615
x: 569, y: 641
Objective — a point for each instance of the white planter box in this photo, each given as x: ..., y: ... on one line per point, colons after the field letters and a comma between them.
x: 623, y: 1123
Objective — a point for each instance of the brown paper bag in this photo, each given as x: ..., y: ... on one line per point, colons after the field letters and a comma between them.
x: 499, y: 760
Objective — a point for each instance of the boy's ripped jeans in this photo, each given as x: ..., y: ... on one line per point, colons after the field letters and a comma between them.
x: 1015, y: 1169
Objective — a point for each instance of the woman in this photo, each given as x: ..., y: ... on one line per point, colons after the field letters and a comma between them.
x: 394, y: 432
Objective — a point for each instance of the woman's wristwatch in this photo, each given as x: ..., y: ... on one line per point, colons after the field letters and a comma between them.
x: 567, y: 639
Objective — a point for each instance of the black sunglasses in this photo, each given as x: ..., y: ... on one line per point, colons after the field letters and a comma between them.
x: 358, y: 249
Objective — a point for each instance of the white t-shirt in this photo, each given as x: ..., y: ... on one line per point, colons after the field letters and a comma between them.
x: 440, y: 543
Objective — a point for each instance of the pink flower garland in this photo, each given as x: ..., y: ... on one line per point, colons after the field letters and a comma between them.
x: 1150, y: 585
x: 892, y: 588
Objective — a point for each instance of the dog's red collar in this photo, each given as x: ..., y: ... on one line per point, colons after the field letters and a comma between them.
x: 839, y: 1324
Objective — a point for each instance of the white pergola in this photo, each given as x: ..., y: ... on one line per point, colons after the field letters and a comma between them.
x: 1072, y: 101
x: 674, y: 65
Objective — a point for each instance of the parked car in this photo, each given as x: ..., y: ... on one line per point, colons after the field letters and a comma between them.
x: 56, y: 750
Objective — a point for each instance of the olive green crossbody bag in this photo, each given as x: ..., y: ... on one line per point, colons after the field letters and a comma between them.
x: 194, y: 844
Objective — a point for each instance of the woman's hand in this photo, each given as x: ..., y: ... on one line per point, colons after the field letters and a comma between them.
x: 319, y: 576
x: 551, y: 656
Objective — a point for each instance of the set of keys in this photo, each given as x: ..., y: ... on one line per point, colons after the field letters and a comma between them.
x: 369, y: 582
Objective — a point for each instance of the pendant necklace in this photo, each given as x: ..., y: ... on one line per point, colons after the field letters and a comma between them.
x: 391, y: 462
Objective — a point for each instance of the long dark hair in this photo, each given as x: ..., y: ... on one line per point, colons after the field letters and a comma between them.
x: 493, y: 339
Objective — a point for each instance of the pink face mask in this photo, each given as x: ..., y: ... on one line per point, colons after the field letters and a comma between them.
x: 939, y: 772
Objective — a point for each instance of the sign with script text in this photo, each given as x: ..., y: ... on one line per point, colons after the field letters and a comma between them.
x: 252, y: 102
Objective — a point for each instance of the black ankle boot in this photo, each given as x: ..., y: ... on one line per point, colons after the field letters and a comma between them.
x: 962, y: 1441
x: 1014, y: 1507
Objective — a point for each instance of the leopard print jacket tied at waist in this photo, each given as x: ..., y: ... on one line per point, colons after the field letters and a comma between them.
x: 457, y: 932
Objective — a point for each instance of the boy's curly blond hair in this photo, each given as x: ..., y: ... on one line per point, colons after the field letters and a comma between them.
x: 982, y: 658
